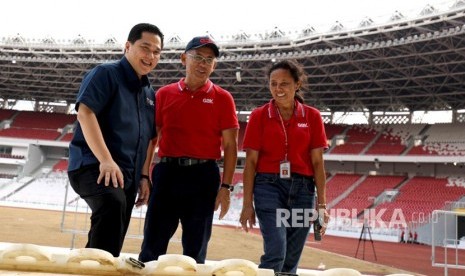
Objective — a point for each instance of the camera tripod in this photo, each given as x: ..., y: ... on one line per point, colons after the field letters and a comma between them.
x: 363, y: 233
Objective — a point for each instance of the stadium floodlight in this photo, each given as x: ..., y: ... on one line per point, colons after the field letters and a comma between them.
x: 458, y: 4
x: 428, y: 10
x: 110, y: 41
x: 397, y: 16
x: 337, y: 27
x: 238, y: 74
x: 366, y: 22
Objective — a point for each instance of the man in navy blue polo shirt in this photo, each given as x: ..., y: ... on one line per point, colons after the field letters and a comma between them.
x: 111, y: 151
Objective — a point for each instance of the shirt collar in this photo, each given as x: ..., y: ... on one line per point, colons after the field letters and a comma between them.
x: 206, y: 88
x: 299, y: 110
x: 132, y: 76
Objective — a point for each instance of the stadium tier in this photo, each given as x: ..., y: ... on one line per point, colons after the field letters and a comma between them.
x: 403, y: 64
x: 354, y: 187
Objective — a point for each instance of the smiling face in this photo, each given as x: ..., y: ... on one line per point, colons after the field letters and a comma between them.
x: 283, y: 87
x: 144, y: 53
x: 200, y: 64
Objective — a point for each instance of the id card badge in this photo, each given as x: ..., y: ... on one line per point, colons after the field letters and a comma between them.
x: 285, y: 169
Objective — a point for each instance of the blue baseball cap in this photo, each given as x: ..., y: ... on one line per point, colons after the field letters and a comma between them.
x: 203, y: 41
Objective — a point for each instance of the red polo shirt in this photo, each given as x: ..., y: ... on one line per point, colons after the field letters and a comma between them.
x: 264, y: 133
x: 191, y: 122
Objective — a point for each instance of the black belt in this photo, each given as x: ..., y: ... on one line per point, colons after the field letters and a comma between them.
x: 184, y: 161
x: 298, y: 175
x: 294, y: 176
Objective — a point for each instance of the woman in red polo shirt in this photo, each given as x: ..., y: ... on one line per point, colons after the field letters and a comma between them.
x: 284, y: 142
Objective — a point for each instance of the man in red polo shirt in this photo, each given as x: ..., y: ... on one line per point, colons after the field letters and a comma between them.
x: 194, y: 119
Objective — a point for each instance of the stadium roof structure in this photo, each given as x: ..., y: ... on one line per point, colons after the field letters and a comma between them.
x: 401, y: 65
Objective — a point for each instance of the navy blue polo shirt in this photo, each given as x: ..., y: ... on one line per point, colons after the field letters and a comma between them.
x: 124, y: 107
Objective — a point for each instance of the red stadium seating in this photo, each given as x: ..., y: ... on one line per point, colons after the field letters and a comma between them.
x: 420, y: 196
x: 387, y: 144
x: 42, y: 120
x: 362, y: 197
x: 6, y: 114
x: 67, y: 137
x: 61, y: 165
x: 43, y: 134
x: 338, y: 184
x: 240, y: 139
x: 36, y: 125
x: 333, y: 130
x: 357, y: 138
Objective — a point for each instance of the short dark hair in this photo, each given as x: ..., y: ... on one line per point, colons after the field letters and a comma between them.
x: 136, y: 32
x: 295, y: 69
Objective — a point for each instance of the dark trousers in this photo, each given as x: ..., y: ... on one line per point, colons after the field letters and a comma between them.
x: 111, y: 209
x: 183, y: 194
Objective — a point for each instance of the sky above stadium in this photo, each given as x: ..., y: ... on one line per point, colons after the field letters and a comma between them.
x: 101, y: 19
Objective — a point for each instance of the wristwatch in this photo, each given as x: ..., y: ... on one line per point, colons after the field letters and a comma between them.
x: 227, y: 186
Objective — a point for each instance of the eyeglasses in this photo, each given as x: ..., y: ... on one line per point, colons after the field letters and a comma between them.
x: 199, y: 59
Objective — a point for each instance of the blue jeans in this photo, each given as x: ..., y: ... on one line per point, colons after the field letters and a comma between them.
x: 284, y: 236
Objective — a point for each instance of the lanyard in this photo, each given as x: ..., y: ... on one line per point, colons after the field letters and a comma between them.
x: 285, y: 133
